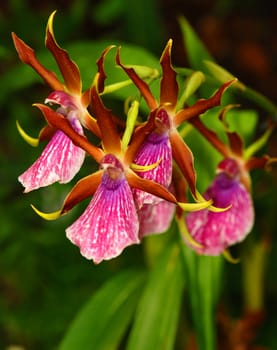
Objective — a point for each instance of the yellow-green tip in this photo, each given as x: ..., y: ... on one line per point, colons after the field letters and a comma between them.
x: 185, y: 233
x: 30, y: 140
x: 47, y: 216
x: 228, y: 256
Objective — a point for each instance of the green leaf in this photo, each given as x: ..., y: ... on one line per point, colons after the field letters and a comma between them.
x: 156, y: 320
x: 195, y: 49
x: 204, y: 275
x: 102, y: 322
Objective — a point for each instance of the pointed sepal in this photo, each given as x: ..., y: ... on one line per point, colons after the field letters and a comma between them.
x: 30, y: 140
x: 47, y: 216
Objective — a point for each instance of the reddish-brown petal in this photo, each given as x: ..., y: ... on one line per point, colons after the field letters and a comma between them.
x: 105, y: 119
x: 149, y: 186
x: 201, y: 106
x: 28, y: 56
x: 211, y: 136
x: 90, y: 123
x: 184, y: 158
x: 83, y: 189
x: 47, y: 132
x: 68, y: 68
x: 235, y: 141
x: 100, y: 63
x: 140, y: 84
x: 169, y: 86
x: 58, y: 121
x: 257, y: 162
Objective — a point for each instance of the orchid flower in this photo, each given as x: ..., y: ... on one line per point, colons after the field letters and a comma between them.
x: 215, y: 232
x: 165, y: 143
x: 110, y: 222
x: 61, y: 159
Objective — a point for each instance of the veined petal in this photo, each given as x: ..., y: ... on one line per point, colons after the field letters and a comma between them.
x: 217, y: 231
x: 60, y: 122
x: 27, y: 55
x: 169, y: 87
x: 155, y: 218
x: 59, y: 161
x: 68, y: 68
x: 108, y: 225
x: 155, y: 149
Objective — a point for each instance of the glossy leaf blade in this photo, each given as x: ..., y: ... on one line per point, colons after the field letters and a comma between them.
x: 102, y: 322
x: 157, y: 315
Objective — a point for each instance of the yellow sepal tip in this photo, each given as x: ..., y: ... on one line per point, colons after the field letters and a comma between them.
x: 195, y: 206
x: 143, y: 168
x: 228, y: 256
x: 47, y: 216
x: 186, y: 235
x: 219, y: 210
x: 212, y: 208
x: 30, y: 140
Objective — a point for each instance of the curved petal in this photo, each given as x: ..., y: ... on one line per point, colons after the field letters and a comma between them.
x: 140, y: 84
x: 212, y: 137
x: 59, y: 161
x: 184, y: 158
x: 149, y: 186
x: 108, y: 225
x: 84, y: 188
x: 30, y: 140
x: 201, y: 106
x: 155, y: 218
x: 169, y: 87
x: 235, y: 141
x: 27, y: 55
x: 101, y: 71
x: 217, y: 231
x: 60, y: 122
x: 155, y: 149
x: 105, y: 119
x: 68, y: 68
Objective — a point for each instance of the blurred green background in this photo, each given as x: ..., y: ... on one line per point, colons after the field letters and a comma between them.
x: 43, y: 278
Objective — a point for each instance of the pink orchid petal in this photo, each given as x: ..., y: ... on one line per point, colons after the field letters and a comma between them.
x: 217, y: 231
x: 60, y: 161
x: 155, y: 218
x: 156, y: 148
x: 109, y: 223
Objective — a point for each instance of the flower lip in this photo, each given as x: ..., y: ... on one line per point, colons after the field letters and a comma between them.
x: 112, y: 166
x: 162, y: 121
x: 63, y: 99
x: 230, y: 167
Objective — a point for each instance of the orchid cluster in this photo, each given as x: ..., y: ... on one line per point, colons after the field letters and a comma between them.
x: 145, y: 168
